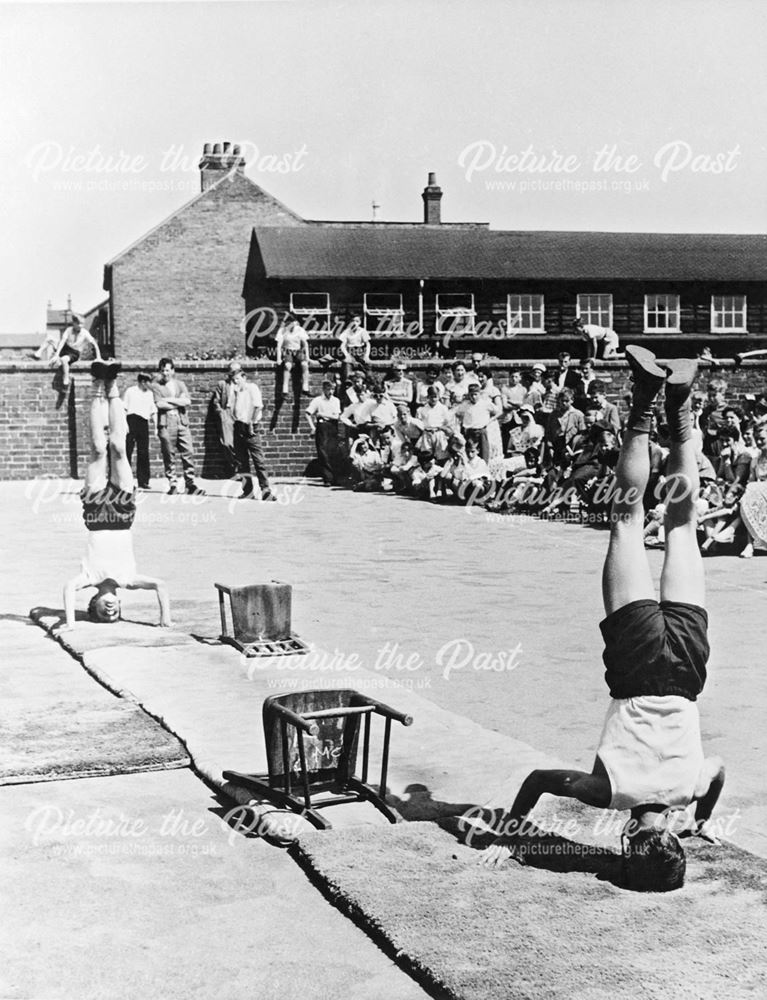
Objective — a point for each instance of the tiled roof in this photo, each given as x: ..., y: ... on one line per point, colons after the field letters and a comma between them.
x: 432, y: 252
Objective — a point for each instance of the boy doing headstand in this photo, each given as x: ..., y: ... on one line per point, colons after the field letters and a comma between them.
x: 650, y: 757
x: 109, y: 508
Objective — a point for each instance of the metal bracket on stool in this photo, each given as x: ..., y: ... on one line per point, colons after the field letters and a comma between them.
x: 269, y: 647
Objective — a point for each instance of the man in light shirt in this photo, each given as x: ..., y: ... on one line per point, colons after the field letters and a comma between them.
x: 173, y: 401
x: 594, y: 334
x: 141, y: 410
x: 247, y: 410
x: 322, y: 415
x: 377, y: 412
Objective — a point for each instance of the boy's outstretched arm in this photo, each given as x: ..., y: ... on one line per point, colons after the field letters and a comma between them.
x: 591, y: 789
x: 711, y: 785
x: 152, y: 583
x: 70, y: 590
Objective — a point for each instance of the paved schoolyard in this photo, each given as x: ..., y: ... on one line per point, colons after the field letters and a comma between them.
x: 491, y: 618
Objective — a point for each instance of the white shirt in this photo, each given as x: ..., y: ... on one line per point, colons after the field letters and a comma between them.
x: 652, y: 751
x: 109, y: 556
x: 248, y: 403
x: 139, y: 402
x: 324, y: 406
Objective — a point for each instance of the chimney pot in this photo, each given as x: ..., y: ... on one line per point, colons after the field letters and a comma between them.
x: 206, y: 149
x: 217, y: 149
x: 432, y: 179
x: 236, y: 150
x: 227, y: 146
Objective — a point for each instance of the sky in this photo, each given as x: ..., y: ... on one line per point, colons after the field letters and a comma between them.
x: 612, y: 115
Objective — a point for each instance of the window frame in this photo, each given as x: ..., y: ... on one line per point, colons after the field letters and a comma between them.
x: 442, y: 313
x: 594, y: 295
x: 677, y: 328
x: 397, y: 329
x: 514, y: 330
x: 729, y: 329
x: 311, y: 313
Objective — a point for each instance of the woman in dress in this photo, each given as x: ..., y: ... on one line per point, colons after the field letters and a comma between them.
x: 753, y: 505
x: 488, y: 389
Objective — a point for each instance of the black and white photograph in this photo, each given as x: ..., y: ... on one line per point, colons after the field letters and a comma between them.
x: 383, y: 467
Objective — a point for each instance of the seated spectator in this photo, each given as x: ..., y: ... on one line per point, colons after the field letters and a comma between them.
x: 468, y: 476
x: 402, y: 468
x: 424, y: 477
x: 406, y: 427
x: 734, y: 463
x: 697, y: 402
x: 522, y: 439
x: 366, y: 464
x: 733, y: 417
x: 399, y: 388
x: 436, y: 421
x: 608, y: 412
x: 430, y: 378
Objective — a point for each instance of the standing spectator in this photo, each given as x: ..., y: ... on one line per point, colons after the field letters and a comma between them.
x: 608, y: 412
x: 536, y: 388
x: 435, y: 419
x: 512, y: 398
x: 474, y: 415
x: 585, y: 378
x: 248, y: 409
x: 141, y: 410
x: 378, y: 412
x: 562, y: 426
x: 697, y: 402
x: 566, y: 376
x: 406, y: 428
x: 712, y: 418
x: 354, y: 413
x: 353, y: 390
x: 461, y: 382
x: 172, y: 401
x: 355, y: 347
x: 221, y: 402
x: 293, y: 349
x: 323, y: 414
x: 430, y: 378
x: 489, y: 391
x: 594, y: 335
x: 400, y: 388
x: 70, y: 347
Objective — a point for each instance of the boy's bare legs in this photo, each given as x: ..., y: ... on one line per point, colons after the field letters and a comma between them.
x: 120, y: 473
x: 98, y: 467
x: 682, y: 577
x: 626, y: 575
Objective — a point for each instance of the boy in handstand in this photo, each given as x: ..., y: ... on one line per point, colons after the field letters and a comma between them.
x: 109, y: 507
x: 650, y: 757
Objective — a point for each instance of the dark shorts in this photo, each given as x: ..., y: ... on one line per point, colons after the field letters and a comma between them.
x: 109, y: 509
x: 71, y: 353
x: 656, y: 649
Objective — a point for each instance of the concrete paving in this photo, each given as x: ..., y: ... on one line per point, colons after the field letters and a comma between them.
x: 486, y: 627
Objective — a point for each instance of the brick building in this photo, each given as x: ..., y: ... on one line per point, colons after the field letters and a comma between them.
x: 215, y: 278
x: 178, y: 289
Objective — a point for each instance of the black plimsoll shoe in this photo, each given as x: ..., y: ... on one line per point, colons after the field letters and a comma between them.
x: 172, y: 489
x: 195, y: 491
x: 98, y: 369
x: 111, y: 370
x: 682, y: 372
x: 644, y: 368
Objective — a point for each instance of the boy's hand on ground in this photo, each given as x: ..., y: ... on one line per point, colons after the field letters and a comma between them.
x: 707, y: 831
x: 501, y: 851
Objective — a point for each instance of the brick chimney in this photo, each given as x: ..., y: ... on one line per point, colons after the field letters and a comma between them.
x: 432, y: 199
x: 218, y: 159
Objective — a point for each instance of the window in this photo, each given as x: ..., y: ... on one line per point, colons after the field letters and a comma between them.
x: 524, y: 314
x: 661, y: 312
x: 384, y: 313
x: 728, y: 313
x: 596, y: 310
x: 313, y: 310
x: 455, y: 313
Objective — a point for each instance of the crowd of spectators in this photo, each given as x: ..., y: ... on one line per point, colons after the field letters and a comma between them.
x: 544, y: 443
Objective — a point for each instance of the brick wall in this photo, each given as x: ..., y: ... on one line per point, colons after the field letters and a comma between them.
x: 43, y: 433
x: 178, y: 290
